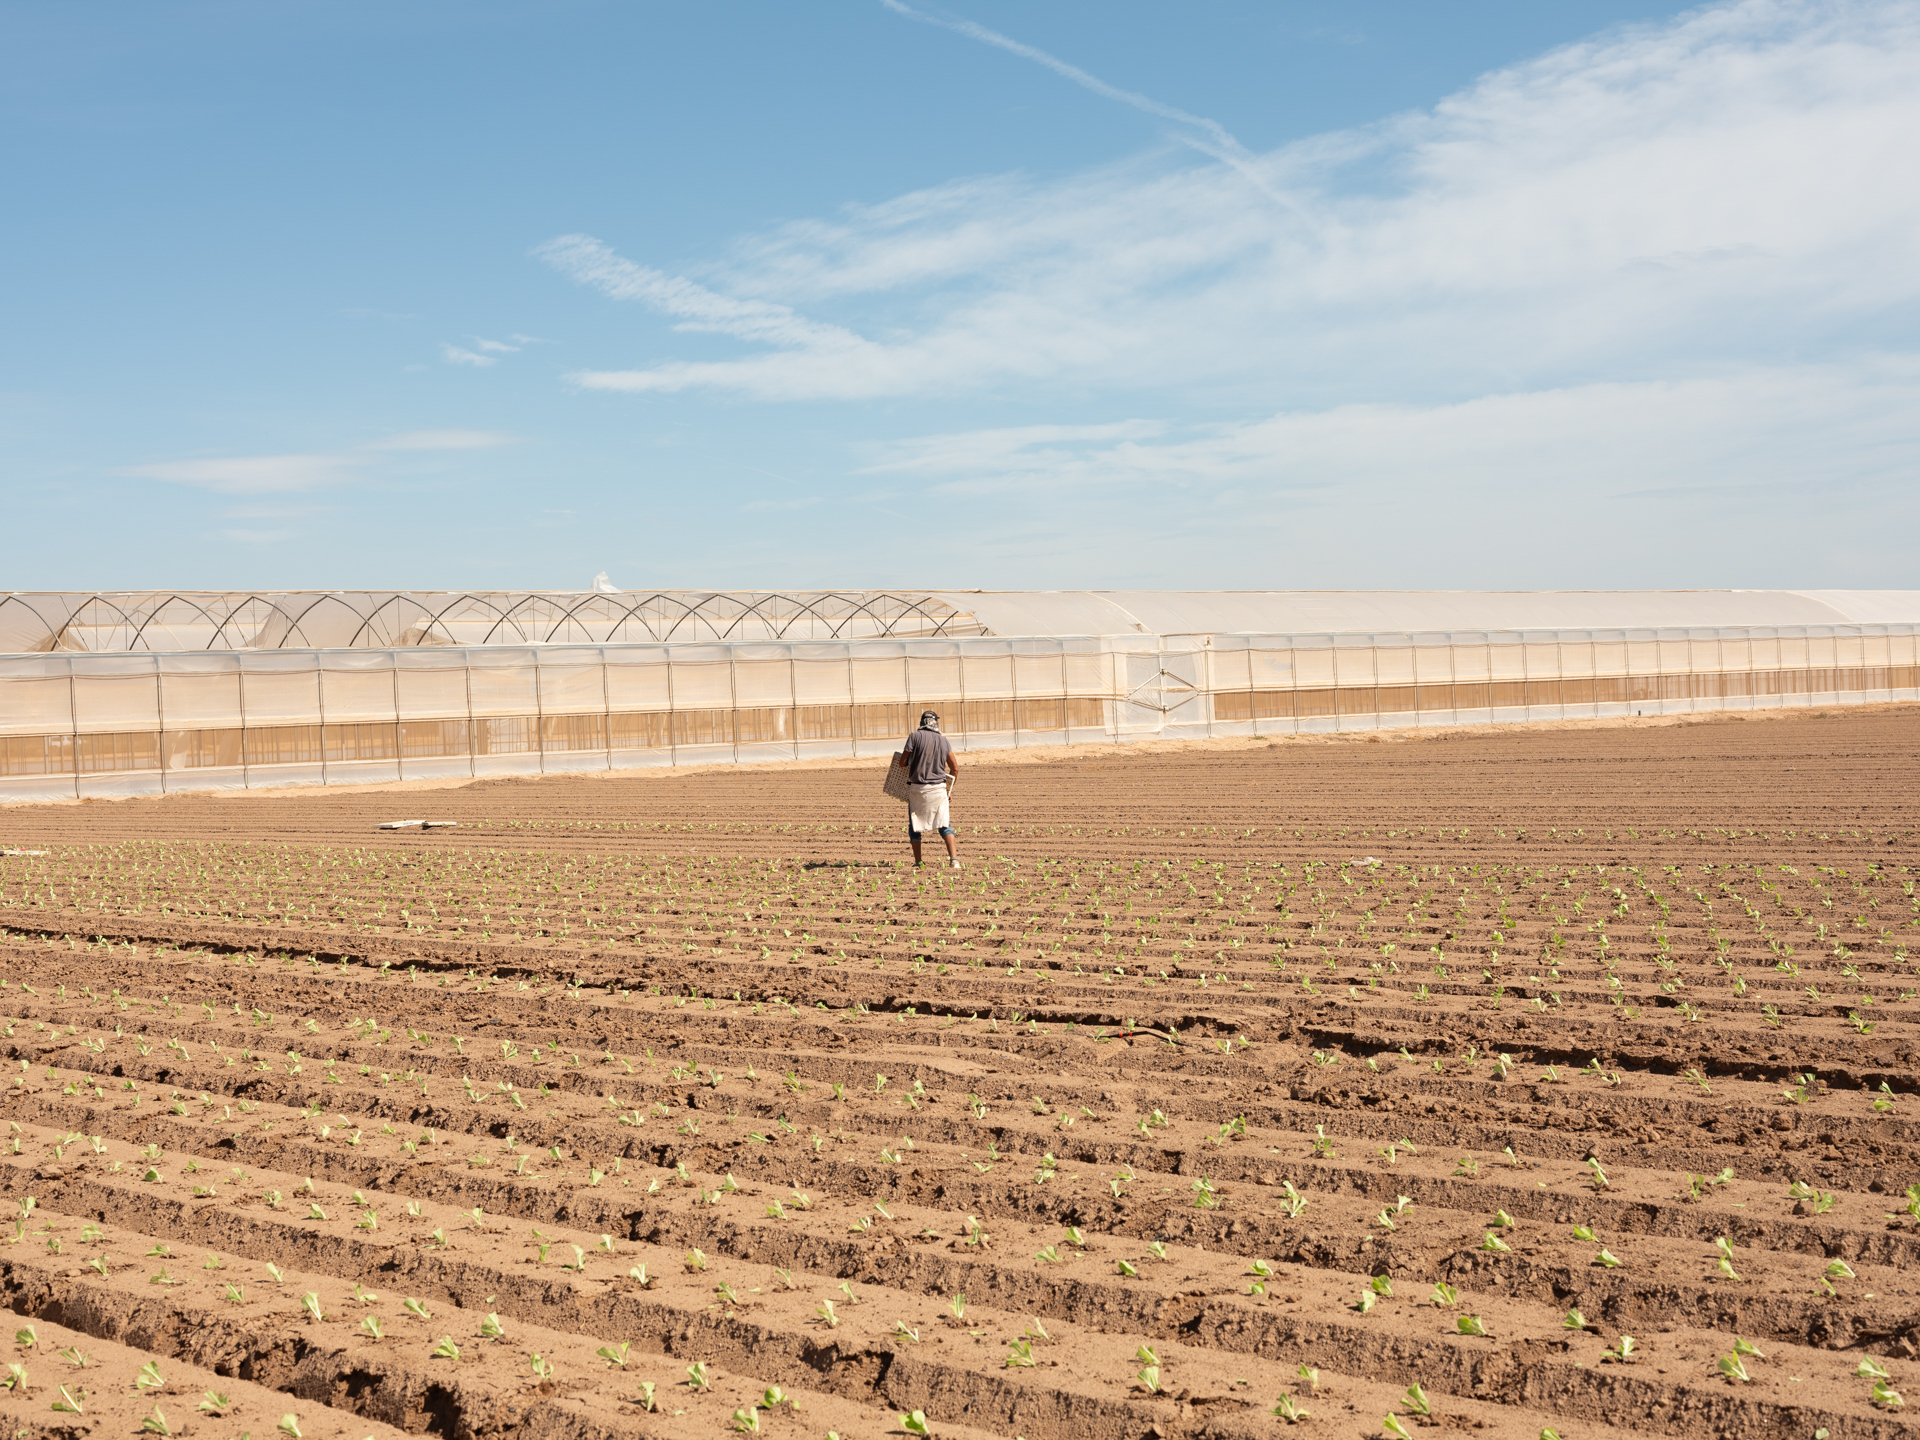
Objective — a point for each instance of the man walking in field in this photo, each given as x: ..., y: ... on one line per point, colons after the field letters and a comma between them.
x: 928, y: 760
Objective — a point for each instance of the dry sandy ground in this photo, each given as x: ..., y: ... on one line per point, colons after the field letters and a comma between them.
x: 678, y: 1103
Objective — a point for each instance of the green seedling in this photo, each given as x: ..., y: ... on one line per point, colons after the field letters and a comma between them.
x: 1021, y: 1355
x: 149, y: 1377
x: 446, y: 1349
x: 1290, y: 1410
x: 416, y: 1308
x: 492, y: 1329
x: 1471, y: 1325
x: 1735, y: 1369
x: 699, y: 1377
x: 614, y: 1355
x: 915, y: 1423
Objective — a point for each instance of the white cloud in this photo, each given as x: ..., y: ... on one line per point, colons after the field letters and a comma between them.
x: 1033, y: 448
x: 1218, y: 142
x: 1802, y: 432
x: 279, y: 474
x: 1659, y: 201
x: 1758, y: 478
x: 249, y: 474
x: 586, y: 260
x: 455, y: 355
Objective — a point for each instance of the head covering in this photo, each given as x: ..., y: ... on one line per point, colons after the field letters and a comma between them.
x: 929, y: 720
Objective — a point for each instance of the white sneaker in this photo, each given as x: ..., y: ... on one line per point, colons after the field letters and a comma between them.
x: 953, y: 864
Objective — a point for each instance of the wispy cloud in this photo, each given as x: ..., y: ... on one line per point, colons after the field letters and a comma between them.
x: 253, y: 537
x: 287, y: 474
x: 457, y: 355
x: 249, y: 474
x: 1765, y: 432
x: 1218, y: 142
x: 1743, y: 479
x: 588, y: 261
x: 1724, y: 189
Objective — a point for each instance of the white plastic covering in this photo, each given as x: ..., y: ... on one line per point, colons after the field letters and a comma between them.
x: 36, y: 621
x: 46, y: 621
x: 136, y: 722
x: 1871, y: 607
x: 1190, y: 612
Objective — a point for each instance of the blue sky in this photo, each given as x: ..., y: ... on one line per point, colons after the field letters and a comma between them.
x: 1396, y: 295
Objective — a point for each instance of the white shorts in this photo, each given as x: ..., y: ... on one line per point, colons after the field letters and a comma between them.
x: 927, y: 809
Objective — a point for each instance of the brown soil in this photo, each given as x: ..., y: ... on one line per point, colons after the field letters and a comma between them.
x: 1167, y: 1105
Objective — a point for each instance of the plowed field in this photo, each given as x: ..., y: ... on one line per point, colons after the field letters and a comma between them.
x: 1540, y: 1080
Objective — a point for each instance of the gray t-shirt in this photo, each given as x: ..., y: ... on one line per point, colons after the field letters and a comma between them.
x: 927, y: 752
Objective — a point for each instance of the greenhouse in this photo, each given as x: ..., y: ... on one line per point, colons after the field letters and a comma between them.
x: 145, y: 693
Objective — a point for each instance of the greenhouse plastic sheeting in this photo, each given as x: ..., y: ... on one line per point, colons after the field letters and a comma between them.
x: 76, y: 725
x: 305, y: 620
